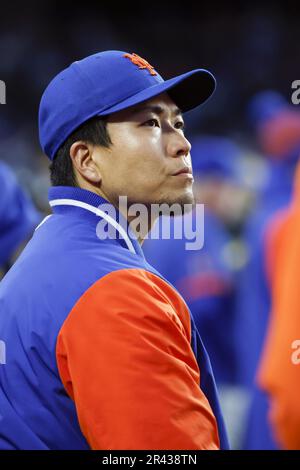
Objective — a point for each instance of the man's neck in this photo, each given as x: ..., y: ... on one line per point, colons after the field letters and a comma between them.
x: 141, y: 235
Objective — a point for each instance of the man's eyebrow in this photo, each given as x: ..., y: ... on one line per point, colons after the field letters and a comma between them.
x: 156, y: 109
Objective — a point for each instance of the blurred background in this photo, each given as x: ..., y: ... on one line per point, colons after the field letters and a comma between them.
x: 246, y: 144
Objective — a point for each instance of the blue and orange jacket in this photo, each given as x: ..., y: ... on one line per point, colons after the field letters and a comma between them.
x: 100, y: 350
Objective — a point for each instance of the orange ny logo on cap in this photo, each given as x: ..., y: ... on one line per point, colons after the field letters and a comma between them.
x: 142, y: 63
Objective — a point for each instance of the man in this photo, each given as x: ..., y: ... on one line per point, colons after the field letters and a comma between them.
x: 101, y: 350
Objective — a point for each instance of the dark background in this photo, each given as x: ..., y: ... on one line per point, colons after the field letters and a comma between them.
x: 249, y: 46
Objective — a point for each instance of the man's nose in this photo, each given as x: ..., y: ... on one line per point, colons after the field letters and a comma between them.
x: 178, y: 145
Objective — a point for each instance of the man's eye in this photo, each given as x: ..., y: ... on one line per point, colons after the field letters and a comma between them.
x: 152, y: 123
x: 180, y: 125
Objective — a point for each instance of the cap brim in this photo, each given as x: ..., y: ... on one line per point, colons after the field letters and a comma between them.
x: 188, y: 91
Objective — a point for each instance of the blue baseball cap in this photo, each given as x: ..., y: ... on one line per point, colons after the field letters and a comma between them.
x: 105, y: 83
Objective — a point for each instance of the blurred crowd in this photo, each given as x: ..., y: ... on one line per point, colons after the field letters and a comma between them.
x: 241, y: 287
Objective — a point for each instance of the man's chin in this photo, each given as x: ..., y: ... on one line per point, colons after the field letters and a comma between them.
x: 180, y: 205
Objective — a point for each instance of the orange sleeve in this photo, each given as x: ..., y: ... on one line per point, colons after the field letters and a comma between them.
x: 124, y: 357
x: 279, y: 375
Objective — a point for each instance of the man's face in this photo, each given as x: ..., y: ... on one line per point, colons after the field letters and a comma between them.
x: 148, y: 149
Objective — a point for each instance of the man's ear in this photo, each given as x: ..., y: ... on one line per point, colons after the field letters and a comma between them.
x: 81, y: 156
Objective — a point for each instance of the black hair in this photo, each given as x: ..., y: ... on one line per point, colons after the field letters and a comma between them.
x: 93, y: 131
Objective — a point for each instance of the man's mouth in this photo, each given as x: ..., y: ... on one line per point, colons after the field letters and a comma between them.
x: 186, y: 170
